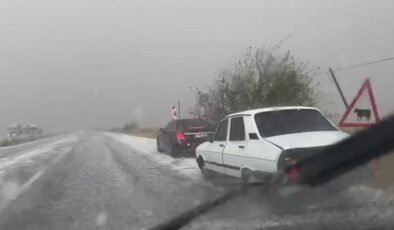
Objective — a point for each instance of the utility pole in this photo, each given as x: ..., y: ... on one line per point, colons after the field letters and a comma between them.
x: 338, y: 87
x: 179, y: 110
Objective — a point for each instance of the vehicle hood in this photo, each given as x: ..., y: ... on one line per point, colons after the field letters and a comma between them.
x: 307, y: 139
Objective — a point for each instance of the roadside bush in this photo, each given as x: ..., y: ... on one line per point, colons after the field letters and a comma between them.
x: 264, y: 77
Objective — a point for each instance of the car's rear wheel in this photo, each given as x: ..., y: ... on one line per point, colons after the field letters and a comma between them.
x: 245, y: 177
x: 158, y: 146
x: 172, y: 150
x: 249, y: 180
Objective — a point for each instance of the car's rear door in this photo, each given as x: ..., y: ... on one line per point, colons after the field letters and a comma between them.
x: 234, y: 152
x: 213, y: 155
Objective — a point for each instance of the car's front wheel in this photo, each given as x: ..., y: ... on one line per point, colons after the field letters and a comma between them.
x: 206, y: 173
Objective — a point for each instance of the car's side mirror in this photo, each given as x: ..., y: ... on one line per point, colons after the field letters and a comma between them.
x: 210, y: 139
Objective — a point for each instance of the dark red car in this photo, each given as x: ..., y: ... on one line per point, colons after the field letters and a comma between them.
x: 181, y: 137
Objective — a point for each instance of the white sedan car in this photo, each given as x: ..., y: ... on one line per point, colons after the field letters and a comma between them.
x: 258, y: 143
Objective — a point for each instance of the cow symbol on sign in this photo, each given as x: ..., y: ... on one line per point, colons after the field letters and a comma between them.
x: 363, y: 114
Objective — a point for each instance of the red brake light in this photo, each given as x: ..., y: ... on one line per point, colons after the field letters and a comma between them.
x: 180, y: 136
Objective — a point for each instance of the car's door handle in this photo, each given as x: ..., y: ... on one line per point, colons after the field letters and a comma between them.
x: 241, y: 146
x: 221, y: 145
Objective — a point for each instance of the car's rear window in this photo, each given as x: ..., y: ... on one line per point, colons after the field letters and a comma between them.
x: 196, y: 125
x: 283, y: 122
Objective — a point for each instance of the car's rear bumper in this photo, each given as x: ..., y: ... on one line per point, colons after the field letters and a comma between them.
x: 187, y: 148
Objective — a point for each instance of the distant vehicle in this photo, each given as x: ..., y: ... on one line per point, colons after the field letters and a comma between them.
x: 24, y: 131
x: 14, y: 131
x: 12, y: 134
x: 256, y: 144
x: 181, y: 137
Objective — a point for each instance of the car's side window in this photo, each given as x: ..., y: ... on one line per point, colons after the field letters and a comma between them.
x: 170, y: 126
x: 237, y: 129
x: 221, y: 132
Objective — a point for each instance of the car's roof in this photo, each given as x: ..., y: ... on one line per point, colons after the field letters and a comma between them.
x: 268, y: 109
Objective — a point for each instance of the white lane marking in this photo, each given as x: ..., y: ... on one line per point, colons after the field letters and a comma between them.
x: 33, y: 179
x: 10, y: 190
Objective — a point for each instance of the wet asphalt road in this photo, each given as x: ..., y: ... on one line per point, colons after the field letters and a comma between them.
x: 89, y: 181
x: 93, y: 181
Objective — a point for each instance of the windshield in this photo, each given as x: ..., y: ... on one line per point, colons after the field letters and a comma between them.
x: 291, y: 121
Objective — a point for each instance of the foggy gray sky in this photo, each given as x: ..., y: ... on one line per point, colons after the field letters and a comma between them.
x: 79, y: 64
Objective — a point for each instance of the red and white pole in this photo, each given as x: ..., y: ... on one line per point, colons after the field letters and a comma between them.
x: 174, y: 113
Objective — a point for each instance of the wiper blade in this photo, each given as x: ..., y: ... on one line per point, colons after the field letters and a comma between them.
x: 347, y: 155
x: 321, y: 168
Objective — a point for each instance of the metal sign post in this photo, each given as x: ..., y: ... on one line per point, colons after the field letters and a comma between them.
x: 338, y: 87
x: 179, y: 110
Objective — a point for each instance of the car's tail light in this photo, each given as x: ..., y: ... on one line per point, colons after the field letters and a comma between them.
x: 180, y: 136
x: 290, y: 162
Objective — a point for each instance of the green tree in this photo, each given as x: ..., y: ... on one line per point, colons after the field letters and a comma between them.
x: 262, y: 78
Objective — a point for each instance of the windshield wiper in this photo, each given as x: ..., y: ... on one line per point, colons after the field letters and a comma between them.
x: 319, y: 169
x: 347, y: 155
